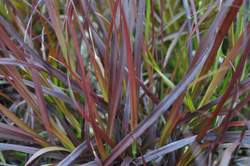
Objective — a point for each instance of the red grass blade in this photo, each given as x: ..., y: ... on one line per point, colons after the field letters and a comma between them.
x: 131, y: 73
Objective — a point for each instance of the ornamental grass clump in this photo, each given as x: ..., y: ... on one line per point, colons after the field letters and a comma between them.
x: 124, y: 82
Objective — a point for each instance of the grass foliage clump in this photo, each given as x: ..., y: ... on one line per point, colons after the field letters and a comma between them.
x: 124, y: 82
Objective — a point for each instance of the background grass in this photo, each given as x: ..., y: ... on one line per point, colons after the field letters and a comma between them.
x: 124, y: 82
